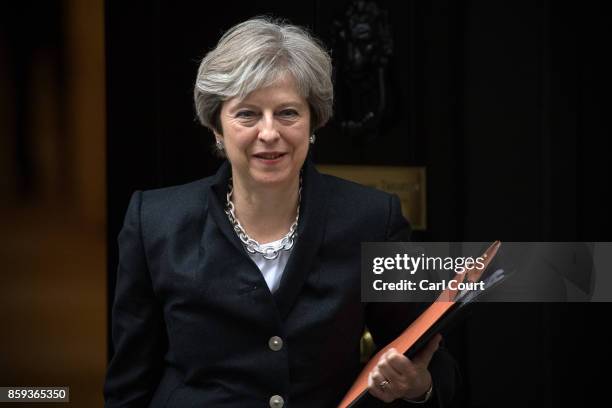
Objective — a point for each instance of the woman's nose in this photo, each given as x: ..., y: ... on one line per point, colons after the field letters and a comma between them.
x: 268, y: 131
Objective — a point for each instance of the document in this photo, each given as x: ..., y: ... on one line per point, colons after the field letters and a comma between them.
x: 436, y: 317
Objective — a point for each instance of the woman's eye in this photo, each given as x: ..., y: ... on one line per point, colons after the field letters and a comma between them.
x: 245, y: 114
x: 288, y: 113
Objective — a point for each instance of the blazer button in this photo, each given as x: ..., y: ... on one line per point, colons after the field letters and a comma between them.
x: 276, y: 401
x: 275, y: 343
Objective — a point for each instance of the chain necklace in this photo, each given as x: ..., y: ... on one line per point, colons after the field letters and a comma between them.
x: 268, y: 251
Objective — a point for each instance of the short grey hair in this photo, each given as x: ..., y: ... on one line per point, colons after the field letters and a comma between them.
x: 256, y: 53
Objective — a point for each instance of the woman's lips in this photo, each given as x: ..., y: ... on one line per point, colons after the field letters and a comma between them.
x: 269, y: 157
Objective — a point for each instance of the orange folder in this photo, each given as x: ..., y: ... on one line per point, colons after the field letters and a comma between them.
x: 419, y: 331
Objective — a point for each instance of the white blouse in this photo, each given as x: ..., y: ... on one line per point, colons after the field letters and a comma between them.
x: 272, y: 269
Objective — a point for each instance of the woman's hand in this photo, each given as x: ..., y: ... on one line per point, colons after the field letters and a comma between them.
x: 396, y: 376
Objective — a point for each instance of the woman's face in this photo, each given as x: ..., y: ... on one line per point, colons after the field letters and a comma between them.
x: 266, y: 134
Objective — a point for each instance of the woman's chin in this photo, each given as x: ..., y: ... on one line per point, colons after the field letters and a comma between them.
x: 271, y: 179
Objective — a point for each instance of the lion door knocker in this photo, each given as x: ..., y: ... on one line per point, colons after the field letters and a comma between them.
x: 362, y: 46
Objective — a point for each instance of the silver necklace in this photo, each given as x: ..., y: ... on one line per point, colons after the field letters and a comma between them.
x: 268, y: 251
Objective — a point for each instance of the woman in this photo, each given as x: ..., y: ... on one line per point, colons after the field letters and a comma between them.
x: 243, y: 289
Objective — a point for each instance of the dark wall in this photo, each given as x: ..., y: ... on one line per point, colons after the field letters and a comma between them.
x: 504, y: 102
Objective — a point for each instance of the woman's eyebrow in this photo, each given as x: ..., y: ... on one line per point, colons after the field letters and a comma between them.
x: 295, y: 103
x: 242, y: 105
x: 248, y: 105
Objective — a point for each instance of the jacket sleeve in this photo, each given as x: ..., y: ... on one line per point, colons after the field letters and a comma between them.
x: 386, y: 321
x: 138, y: 329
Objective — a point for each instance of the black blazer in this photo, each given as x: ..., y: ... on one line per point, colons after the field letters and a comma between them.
x: 193, y: 316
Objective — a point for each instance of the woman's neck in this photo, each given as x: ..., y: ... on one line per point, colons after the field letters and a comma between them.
x: 266, y: 212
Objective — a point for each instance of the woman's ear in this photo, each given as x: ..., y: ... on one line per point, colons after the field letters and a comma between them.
x: 219, y: 142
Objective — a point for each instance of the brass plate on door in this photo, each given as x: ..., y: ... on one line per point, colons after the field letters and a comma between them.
x: 408, y: 182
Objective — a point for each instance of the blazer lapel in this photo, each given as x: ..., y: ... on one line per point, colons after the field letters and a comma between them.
x: 244, y: 275
x: 311, y: 230
x: 216, y: 196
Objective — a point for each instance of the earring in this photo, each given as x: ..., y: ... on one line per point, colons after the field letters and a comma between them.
x: 219, y: 144
x: 312, y: 138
